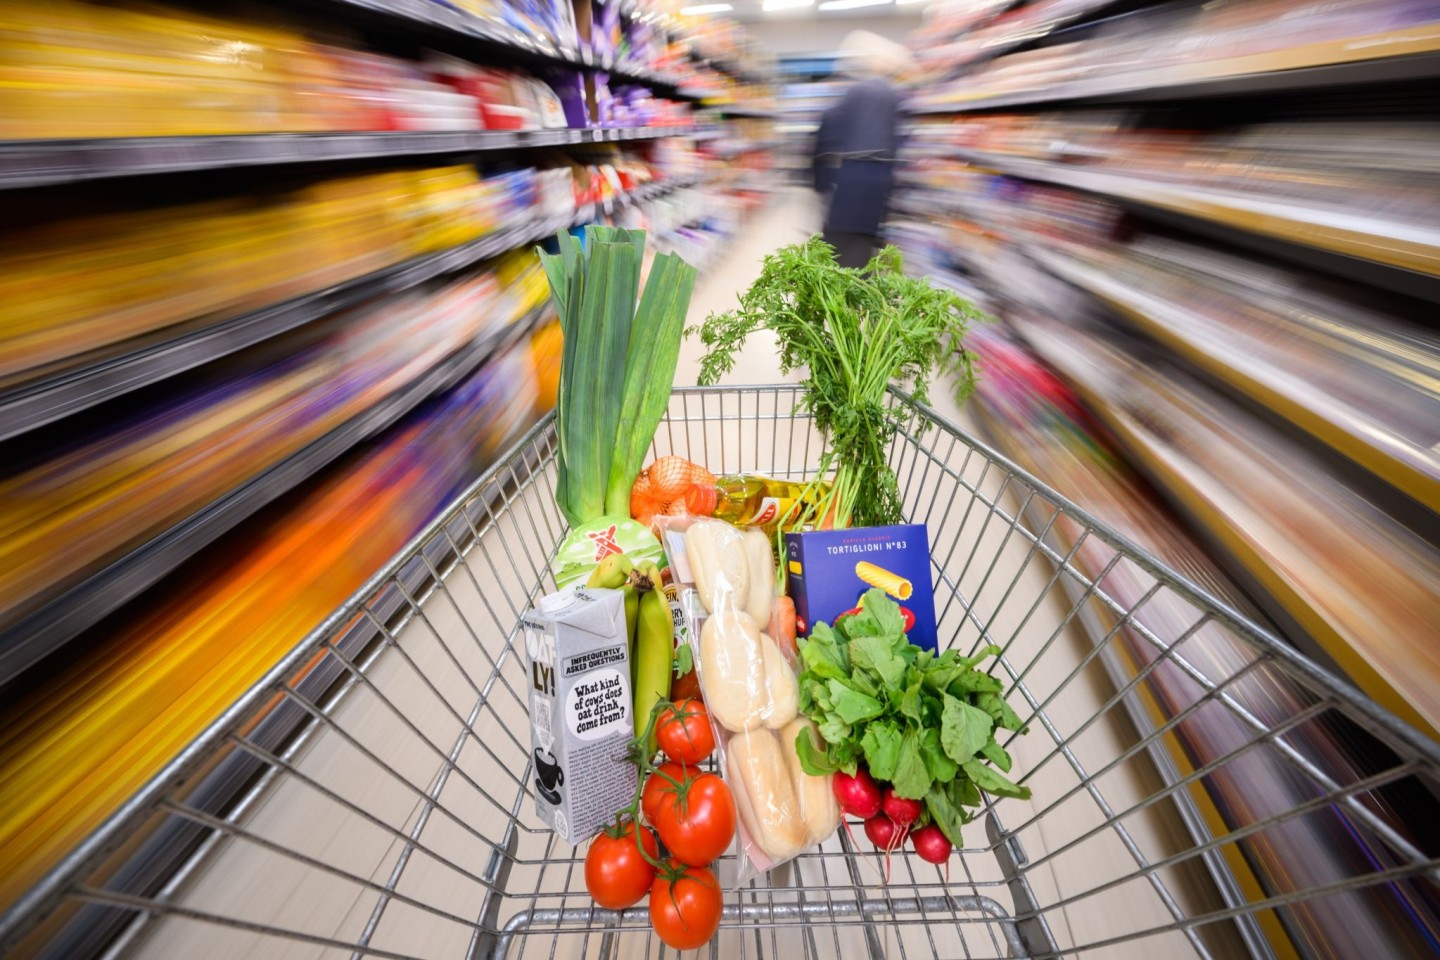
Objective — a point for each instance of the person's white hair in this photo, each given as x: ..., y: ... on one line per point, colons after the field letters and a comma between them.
x: 866, y: 54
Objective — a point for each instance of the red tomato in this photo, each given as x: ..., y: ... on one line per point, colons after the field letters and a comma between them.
x: 685, y: 906
x: 616, y: 875
x: 650, y: 796
x: 683, y: 732
x: 696, y: 820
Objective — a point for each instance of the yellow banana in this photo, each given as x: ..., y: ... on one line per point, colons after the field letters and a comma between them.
x: 612, y: 572
x: 654, y: 647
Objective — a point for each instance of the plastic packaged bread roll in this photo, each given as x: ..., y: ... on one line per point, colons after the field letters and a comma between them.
x: 765, y: 796
x: 816, y: 795
x: 733, y: 671
x: 760, y: 564
x: 719, y: 566
x: 893, y: 584
x: 781, y: 685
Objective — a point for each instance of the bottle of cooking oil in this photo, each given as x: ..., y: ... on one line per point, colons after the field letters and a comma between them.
x: 750, y: 500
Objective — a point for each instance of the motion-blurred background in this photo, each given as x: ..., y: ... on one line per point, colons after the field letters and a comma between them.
x: 268, y: 302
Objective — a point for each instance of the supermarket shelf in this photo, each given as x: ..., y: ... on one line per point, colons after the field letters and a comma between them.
x: 1412, y: 54
x: 1361, y: 235
x: 748, y: 113
x: 1022, y: 36
x: 1234, y: 533
x: 725, y: 67
x: 1350, y: 431
x: 85, y: 604
x: 443, y: 27
x: 36, y: 403
x: 753, y: 146
x: 649, y: 191
x: 38, y: 163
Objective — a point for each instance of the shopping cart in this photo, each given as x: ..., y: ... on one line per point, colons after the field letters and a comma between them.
x: 371, y: 797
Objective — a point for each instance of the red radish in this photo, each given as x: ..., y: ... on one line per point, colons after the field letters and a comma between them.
x: 857, y: 795
x: 903, y: 811
x: 883, y: 832
x: 933, y: 846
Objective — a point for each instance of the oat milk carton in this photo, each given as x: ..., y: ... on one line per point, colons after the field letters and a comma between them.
x: 580, y: 709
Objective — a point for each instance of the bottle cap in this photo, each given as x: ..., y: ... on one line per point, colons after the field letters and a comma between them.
x: 555, y: 602
x: 702, y: 499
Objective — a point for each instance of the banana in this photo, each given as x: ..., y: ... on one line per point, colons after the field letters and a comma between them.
x: 617, y: 572
x: 654, y: 649
x: 632, y: 619
x: 612, y: 572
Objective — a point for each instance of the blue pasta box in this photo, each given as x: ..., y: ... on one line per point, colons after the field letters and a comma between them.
x: 830, y: 570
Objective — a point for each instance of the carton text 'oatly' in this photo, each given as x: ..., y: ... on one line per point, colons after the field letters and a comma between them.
x: 580, y: 709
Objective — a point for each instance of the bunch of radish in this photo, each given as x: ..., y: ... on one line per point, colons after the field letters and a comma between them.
x: 889, y: 819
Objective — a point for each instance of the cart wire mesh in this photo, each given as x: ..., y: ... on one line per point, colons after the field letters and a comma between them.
x: 1199, y: 789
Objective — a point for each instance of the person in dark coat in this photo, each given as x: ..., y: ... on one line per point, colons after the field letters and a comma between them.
x: 856, y: 149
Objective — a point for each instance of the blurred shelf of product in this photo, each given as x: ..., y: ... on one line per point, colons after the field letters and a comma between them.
x: 39, y: 163
x: 1216, y: 297
x: 1361, y: 584
x: 1355, y: 369
x: 146, y: 489
x: 1186, y: 50
x: 1367, y: 190
x: 164, y: 670
x: 1037, y: 420
x: 69, y: 349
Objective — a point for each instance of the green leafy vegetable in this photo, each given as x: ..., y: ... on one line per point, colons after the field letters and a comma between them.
x: 987, y: 779
x: 854, y: 331
x: 964, y: 730
x: 937, y: 761
x: 922, y: 722
x: 614, y: 387
x: 813, y: 758
x: 912, y: 779
x: 881, y: 744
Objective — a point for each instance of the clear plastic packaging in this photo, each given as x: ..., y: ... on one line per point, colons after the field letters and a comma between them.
x: 726, y: 577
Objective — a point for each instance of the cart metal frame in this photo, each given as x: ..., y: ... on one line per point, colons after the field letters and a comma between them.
x: 416, y: 685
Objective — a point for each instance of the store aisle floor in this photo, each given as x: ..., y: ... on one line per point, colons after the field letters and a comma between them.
x: 788, y: 217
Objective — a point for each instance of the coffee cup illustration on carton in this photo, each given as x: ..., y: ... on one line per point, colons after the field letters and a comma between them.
x: 549, y: 778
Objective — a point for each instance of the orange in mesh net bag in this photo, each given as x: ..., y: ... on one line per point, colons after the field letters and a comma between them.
x: 670, y: 477
x: 661, y: 487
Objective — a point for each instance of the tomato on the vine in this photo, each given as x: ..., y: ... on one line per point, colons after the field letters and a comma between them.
x: 685, y: 906
x: 683, y: 732
x: 696, y: 818
x: 655, y: 783
x: 616, y: 875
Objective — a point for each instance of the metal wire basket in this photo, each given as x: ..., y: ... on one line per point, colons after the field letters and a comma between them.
x: 371, y: 796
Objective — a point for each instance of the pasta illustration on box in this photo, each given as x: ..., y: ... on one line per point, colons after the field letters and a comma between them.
x: 830, y: 570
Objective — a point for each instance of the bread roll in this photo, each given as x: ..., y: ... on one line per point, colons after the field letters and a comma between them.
x: 716, y: 552
x: 816, y: 795
x: 764, y: 794
x: 732, y: 671
x: 782, y: 685
x: 760, y: 564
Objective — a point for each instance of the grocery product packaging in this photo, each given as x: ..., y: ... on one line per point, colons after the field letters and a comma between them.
x: 727, y: 587
x: 588, y: 544
x: 828, y: 571
x: 581, y: 718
